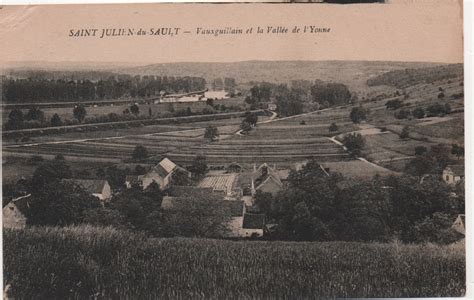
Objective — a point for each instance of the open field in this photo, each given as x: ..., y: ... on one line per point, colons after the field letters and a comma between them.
x: 104, y: 263
x: 282, y: 141
x: 158, y: 108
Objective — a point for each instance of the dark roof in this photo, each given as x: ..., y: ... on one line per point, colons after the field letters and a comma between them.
x: 89, y: 185
x: 253, y: 221
x: 233, y: 208
x: 457, y: 169
x: 161, y: 171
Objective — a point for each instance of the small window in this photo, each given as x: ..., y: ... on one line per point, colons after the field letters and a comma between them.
x: 12, y: 208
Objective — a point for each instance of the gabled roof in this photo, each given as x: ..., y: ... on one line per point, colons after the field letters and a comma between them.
x: 457, y: 169
x: 166, y: 167
x: 90, y: 185
x: 22, y: 203
x: 253, y: 221
x: 260, y: 177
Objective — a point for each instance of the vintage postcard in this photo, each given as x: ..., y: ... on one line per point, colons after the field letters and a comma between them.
x: 233, y: 151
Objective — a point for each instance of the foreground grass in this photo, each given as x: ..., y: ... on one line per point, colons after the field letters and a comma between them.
x: 83, y: 262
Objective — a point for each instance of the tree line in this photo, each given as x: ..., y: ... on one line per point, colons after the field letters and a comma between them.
x: 37, y: 90
x: 292, y: 100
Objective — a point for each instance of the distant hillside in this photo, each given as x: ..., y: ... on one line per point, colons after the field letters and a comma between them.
x: 352, y: 73
x: 409, y: 77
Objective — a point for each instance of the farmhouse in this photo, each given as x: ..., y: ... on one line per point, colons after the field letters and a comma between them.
x: 453, y: 174
x: 14, y: 212
x: 272, y: 106
x: 162, y: 174
x: 266, y: 179
x: 98, y: 188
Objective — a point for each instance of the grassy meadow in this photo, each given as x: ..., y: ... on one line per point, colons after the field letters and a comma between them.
x: 105, y: 263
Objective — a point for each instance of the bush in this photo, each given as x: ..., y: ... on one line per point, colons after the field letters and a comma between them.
x: 394, y: 104
x: 402, y: 114
x: 420, y: 150
x: 405, y: 133
x: 354, y: 142
x: 358, y: 114
x: 333, y: 127
x: 418, y: 113
x: 140, y: 153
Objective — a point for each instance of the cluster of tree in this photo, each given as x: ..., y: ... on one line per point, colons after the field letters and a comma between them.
x: 432, y: 161
x: 354, y: 143
x: 408, y: 77
x: 34, y: 118
x: 260, y: 93
x: 114, y: 87
x: 57, y: 202
x: 289, y: 101
x: 330, y: 94
x: 211, y: 133
x: 250, y: 120
x: 358, y: 114
x: 314, y: 206
x: 438, y: 109
x: 394, y: 104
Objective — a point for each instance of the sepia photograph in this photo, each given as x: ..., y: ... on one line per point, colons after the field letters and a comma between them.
x: 233, y: 151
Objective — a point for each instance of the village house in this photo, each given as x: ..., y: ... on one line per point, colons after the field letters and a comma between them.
x: 272, y: 106
x: 453, y: 174
x: 266, y: 179
x: 14, y: 212
x: 98, y: 188
x: 162, y: 174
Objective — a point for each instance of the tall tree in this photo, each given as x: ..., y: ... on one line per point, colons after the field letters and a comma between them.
x: 79, y: 113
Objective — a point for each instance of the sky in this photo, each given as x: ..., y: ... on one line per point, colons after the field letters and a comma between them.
x: 405, y: 31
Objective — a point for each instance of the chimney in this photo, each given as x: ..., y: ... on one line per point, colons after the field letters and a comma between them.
x: 254, y: 167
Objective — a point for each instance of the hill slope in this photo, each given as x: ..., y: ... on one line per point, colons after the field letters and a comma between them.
x: 80, y: 262
x: 278, y: 71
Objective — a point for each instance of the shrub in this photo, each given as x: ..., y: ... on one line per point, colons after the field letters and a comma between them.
x: 394, y: 104
x: 354, y: 142
x: 405, y: 133
x: 140, y: 153
x: 420, y: 150
x: 358, y: 114
x: 402, y: 114
x: 418, y: 113
x: 333, y: 127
